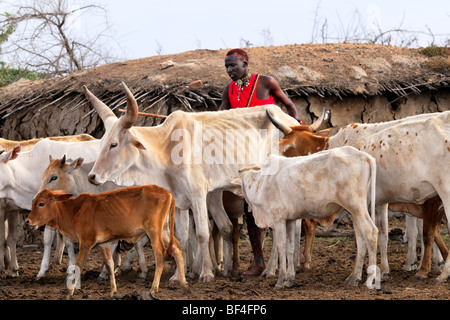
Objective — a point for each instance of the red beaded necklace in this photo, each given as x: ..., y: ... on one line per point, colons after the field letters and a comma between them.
x: 243, y: 82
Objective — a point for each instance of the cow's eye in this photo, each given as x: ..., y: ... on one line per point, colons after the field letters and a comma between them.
x: 112, y: 145
x: 53, y: 178
x: 41, y: 204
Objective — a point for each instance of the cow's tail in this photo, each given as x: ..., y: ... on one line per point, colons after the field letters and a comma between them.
x: 373, y: 191
x: 168, y: 254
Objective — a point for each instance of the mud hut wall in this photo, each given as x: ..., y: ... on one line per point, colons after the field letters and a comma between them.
x: 371, y: 109
x: 59, y: 120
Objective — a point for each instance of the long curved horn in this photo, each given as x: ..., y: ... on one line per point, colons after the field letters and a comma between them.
x: 102, y: 109
x: 280, y: 126
x: 127, y: 120
x: 314, y: 126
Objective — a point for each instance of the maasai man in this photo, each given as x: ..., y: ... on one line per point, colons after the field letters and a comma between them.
x: 244, y: 91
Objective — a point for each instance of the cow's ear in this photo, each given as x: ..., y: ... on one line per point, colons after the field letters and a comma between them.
x: 135, y: 141
x: 323, y: 133
x: 79, y: 162
x: 15, y: 152
x: 76, y: 164
x: 11, y: 154
x: 63, y: 197
x: 284, y: 145
x: 138, y: 144
x: 237, y: 181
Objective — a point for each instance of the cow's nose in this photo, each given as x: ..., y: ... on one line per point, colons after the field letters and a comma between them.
x: 91, y: 178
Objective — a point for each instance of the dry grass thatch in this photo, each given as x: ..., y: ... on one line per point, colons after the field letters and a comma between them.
x: 320, y: 69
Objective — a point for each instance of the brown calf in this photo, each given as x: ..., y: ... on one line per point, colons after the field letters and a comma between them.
x: 123, y: 214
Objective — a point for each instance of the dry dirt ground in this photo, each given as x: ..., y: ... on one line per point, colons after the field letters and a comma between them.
x: 332, y: 263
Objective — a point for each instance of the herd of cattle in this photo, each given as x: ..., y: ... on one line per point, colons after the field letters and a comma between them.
x: 128, y: 186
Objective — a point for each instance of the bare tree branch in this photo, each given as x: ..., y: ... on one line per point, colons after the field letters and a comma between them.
x: 47, y: 42
x: 355, y: 29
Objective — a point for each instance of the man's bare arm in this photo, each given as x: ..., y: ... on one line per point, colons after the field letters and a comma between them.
x: 281, y: 97
x: 225, y: 100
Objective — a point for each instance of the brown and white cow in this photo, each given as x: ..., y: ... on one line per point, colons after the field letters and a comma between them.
x: 127, y: 214
x: 405, y: 150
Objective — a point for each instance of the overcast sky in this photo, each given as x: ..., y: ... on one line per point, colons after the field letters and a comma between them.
x: 147, y: 28
x: 143, y: 28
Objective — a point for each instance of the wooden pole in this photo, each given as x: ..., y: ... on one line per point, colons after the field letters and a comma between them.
x: 147, y: 114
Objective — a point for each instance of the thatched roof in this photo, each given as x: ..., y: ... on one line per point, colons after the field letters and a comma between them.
x: 322, y: 69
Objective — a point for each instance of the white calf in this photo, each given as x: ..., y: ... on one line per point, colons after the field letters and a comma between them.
x: 314, y: 187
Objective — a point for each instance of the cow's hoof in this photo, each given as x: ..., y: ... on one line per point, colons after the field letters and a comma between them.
x: 206, y: 278
x: 420, y: 276
x: 307, y: 267
x: 40, y: 277
x: 190, y: 276
x: 186, y: 289
x: 278, y: 287
x: 410, y: 267
x: 439, y: 266
x: 268, y: 274
x: 174, y: 284
x: 351, y: 281
x: 152, y: 294
x: 385, y: 276
x: 441, y: 279
x: 290, y: 283
x: 13, y: 274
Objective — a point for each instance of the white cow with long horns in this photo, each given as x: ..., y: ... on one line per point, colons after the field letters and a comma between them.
x: 412, y: 157
x: 194, y: 155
